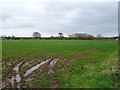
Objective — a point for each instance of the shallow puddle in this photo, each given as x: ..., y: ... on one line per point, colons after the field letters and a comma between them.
x: 12, y: 80
x: 17, y: 77
x: 16, y: 68
x: 35, y: 67
x: 26, y: 64
x: 52, y: 63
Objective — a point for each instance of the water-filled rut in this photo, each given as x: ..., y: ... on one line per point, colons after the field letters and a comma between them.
x: 35, y: 67
x: 19, y: 76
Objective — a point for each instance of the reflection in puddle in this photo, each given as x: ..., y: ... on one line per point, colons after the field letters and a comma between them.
x: 35, y: 67
x: 52, y: 63
x: 12, y: 81
x: 17, y: 77
x: 16, y: 68
x: 26, y: 64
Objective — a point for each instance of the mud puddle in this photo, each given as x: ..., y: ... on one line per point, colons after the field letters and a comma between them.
x: 35, y: 67
x: 52, y: 64
x: 17, y: 77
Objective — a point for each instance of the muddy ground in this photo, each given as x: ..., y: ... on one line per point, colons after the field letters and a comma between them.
x: 26, y: 73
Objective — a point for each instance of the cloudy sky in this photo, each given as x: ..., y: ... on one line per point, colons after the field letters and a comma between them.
x: 22, y: 18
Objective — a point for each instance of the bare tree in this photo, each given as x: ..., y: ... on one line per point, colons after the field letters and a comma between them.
x: 69, y: 36
x: 36, y: 35
x: 99, y: 36
x: 52, y: 36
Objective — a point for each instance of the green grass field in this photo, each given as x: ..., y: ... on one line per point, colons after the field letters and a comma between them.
x: 81, y: 64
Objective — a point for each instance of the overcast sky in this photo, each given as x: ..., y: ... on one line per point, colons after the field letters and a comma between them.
x: 49, y: 18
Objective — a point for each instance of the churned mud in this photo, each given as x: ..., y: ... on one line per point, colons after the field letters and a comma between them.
x: 30, y: 73
x: 18, y: 75
x: 52, y: 64
x: 24, y: 73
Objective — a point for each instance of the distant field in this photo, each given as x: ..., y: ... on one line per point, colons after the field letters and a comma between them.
x: 79, y: 63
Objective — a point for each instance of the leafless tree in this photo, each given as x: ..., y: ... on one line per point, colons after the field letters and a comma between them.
x: 52, y: 36
x: 99, y: 36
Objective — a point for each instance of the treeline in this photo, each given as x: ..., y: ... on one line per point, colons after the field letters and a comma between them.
x: 76, y: 36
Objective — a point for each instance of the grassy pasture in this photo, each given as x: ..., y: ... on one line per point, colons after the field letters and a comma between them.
x: 82, y: 63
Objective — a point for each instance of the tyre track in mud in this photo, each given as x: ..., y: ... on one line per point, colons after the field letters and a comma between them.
x: 39, y: 68
x: 18, y: 76
x: 10, y: 71
x: 53, y: 81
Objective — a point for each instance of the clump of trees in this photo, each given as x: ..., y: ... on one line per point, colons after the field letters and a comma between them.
x: 81, y: 36
x: 8, y: 37
x: 99, y: 36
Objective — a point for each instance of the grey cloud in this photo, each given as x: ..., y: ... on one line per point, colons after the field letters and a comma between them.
x: 52, y: 18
